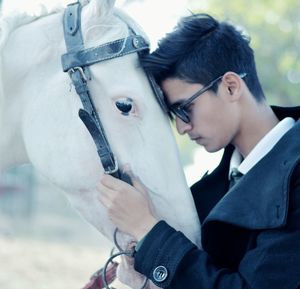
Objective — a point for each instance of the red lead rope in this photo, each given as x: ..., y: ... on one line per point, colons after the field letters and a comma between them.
x: 96, y: 281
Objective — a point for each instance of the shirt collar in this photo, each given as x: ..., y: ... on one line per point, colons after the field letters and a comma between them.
x: 262, y: 148
x: 260, y: 200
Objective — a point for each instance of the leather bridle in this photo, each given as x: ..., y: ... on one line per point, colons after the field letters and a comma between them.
x: 76, y: 63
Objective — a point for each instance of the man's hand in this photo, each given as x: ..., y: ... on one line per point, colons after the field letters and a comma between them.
x: 128, y: 207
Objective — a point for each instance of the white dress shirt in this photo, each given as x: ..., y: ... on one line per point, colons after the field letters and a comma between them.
x: 261, y: 148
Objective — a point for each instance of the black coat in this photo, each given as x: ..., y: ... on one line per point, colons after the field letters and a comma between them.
x: 250, y: 234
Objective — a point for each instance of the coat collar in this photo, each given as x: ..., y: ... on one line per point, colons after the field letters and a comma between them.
x: 260, y: 199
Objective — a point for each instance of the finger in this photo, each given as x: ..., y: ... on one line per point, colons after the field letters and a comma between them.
x: 112, y: 182
x: 135, y: 180
x: 126, y: 178
x: 104, y: 190
x: 105, y: 201
x: 129, y: 261
x: 139, y: 185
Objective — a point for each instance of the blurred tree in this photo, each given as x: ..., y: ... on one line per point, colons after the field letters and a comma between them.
x: 274, y: 29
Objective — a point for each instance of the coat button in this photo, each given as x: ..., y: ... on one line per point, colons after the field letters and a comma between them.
x: 160, y: 274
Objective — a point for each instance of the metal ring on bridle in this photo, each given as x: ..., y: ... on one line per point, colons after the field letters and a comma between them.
x: 129, y: 253
x: 116, y: 240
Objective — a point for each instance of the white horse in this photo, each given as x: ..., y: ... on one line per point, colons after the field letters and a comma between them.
x: 39, y: 121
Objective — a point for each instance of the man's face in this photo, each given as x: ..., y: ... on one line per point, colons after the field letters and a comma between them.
x: 214, y: 118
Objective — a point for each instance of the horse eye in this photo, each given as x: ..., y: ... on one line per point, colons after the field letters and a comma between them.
x: 124, y: 105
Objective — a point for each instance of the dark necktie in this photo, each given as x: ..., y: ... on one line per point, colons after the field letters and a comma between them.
x: 235, y: 176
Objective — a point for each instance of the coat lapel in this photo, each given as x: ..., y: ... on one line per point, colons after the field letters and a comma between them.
x: 260, y: 199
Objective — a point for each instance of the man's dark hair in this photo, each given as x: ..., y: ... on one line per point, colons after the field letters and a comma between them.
x: 201, y: 49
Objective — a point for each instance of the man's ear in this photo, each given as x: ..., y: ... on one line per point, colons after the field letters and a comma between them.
x: 232, y: 83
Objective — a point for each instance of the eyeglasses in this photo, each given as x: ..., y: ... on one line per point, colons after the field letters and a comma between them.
x: 180, y: 109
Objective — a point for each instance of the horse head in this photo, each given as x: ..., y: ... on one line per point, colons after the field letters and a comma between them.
x: 39, y: 116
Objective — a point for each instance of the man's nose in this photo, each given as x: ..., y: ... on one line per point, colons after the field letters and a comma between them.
x: 182, y: 127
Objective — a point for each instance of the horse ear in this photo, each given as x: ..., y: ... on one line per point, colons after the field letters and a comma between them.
x: 101, y: 7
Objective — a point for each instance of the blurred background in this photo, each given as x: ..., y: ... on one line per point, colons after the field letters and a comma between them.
x: 43, y: 242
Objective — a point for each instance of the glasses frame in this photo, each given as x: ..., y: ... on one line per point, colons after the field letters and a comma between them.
x: 179, y: 109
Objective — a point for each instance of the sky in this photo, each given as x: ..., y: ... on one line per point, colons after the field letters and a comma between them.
x: 155, y: 16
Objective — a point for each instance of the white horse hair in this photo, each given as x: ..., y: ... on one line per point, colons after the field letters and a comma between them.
x: 39, y: 120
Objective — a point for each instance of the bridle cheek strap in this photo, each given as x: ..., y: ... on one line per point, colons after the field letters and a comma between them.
x: 77, y: 61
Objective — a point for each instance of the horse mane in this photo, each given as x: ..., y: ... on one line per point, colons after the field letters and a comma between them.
x: 12, y: 21
x: 9, y: 23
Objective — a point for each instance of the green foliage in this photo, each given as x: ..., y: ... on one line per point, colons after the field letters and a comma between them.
x: 274, y: 29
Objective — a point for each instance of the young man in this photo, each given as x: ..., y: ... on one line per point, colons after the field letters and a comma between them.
x: 250, y: 229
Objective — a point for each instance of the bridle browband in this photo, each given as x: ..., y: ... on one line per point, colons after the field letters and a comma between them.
x: 77, y: 61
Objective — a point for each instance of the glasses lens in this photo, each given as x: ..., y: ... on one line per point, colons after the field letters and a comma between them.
x: 180, y: 112
x: 184, y: 116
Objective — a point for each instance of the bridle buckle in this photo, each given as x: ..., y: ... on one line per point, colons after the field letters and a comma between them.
x: 111, y: 170
x: 81, y: 71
